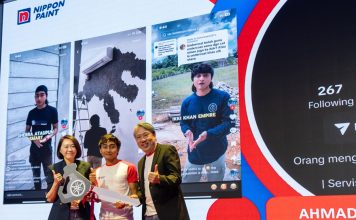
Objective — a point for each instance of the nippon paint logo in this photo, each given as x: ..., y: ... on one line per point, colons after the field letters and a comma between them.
x: 24, y: 16
x: 39, y: 12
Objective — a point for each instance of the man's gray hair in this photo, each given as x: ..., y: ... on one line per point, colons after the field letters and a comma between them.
x: 147, y: 126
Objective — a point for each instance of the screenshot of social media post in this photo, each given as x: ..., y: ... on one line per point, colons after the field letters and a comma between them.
x: 110, y: 91
x: 37, y: 113
x: 195, y: 100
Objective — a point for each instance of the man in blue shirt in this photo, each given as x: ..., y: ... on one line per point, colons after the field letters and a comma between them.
x: 205, y: 123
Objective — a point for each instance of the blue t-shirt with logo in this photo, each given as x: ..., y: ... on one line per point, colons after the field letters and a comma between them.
x: 209, y: 113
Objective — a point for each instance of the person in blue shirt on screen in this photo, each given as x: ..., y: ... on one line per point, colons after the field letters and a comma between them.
x: 205, y: 122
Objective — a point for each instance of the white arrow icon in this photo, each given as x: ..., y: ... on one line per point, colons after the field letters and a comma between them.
x: 342, y: 126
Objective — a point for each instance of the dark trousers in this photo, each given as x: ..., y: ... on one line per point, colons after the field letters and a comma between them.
x: 40, y: 157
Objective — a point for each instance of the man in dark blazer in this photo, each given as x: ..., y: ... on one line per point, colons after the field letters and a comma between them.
x: 159, y: 177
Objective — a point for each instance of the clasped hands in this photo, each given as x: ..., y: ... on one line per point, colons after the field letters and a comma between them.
x: 39, y: 143
x: 190, y: 137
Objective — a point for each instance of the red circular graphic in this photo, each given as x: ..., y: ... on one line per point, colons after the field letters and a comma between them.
x: 254, y: 157
x: 232, y: 209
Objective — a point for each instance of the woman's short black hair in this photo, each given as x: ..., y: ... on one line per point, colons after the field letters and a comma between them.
x: 75, y: 142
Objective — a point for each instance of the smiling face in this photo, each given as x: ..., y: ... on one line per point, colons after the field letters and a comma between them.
x: 109, y: 151
x: 145, y: 140
x: 201, y: 82
x: 68, y: 150
x: 40, y: 98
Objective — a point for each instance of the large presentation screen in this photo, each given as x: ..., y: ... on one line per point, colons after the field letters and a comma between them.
x: 104, y: 77
x: 257, y: 97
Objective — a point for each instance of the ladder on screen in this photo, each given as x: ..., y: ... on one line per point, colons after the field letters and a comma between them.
x: 81, y: 120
